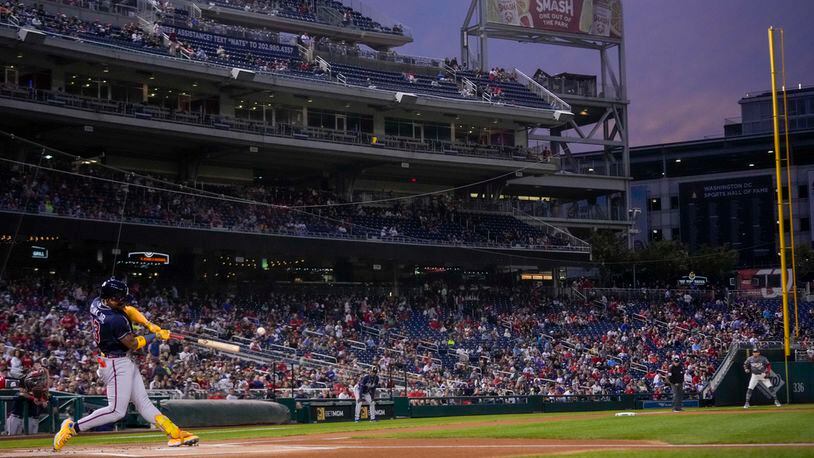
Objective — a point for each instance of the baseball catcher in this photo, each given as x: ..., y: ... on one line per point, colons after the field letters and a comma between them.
x: 33, y: 396
x: 112, y: 318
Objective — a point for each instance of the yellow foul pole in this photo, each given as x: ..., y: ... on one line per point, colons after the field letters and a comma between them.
x: 788, y: 183
x: 780, y: 223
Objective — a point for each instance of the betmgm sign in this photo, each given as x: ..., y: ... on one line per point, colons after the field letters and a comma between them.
x: 326, y: 412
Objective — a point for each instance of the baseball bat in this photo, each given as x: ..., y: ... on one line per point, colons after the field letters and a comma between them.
x: 223, y: 346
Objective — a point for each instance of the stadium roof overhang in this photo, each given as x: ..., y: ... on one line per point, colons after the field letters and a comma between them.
x: 741, y: 153
x: 175, y: 240
x: 376, y: 40
x: 63, y: 128
x: 567, y: 185
x: 67, y: 50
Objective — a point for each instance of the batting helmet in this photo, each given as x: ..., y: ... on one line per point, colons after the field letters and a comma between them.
x: 114, y: 289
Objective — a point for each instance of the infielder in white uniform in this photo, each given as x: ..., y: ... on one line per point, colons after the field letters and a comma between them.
x: 759, y: 367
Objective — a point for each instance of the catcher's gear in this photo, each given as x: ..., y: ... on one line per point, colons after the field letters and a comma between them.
x: 35, y: 381
x: 114, y: 289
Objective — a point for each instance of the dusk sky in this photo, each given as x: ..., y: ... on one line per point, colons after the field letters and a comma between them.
x: 688, y: 61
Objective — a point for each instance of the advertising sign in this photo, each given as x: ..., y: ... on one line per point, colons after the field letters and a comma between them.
x: 668, y: 404
x: 324, y: 412
x: 214, y: 39
x: 38, y: 252
x: 601, y: 18
x: 148, y: 258
x: 734, y: 212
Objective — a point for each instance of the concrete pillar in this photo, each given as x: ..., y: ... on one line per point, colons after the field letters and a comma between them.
x: 227, y: 105
x: 378, y: 125
x: 344, y: 183
x: 521, y: 138
x: 396, y: 279
x: 188, y: 168
x: 57, y: 79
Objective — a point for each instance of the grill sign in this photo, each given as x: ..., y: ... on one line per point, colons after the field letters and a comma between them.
x: 149, y: 258
x: 38, y: 252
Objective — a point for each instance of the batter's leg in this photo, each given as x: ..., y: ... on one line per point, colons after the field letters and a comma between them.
x: 141, y: 400
x: 176, y: 436
x: 119, y: 384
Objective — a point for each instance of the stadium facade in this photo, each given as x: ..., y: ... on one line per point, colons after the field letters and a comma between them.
x: 721, y: 191
x: 305, y: 95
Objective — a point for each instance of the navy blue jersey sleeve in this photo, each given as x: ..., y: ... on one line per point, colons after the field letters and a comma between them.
x: 119, y: 326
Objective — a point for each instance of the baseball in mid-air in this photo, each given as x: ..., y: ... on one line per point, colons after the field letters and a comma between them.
x: 261, y: 331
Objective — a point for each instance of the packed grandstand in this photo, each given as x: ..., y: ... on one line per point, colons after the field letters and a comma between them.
x: 443, y: 340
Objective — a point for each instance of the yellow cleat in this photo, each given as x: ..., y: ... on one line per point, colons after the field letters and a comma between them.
x: 177, y: 437
x: 66, y: 432
x: 186, y: 438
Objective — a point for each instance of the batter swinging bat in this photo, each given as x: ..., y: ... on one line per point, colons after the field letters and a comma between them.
x: 231, y: 348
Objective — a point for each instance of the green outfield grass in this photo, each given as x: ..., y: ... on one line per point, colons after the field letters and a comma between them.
x: 729, y: 426
x: 792, y: 424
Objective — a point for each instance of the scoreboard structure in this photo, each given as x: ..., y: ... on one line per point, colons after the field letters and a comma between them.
x: 735, y: 212
x: 599, y: 102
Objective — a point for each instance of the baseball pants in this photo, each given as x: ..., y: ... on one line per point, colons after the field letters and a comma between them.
x: 14, y: 425
x: 678, y: 395
x: 759, y: 378
x: 369, y: 400
x: 124, y: 385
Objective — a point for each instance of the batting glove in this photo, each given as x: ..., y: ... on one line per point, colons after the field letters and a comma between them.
x: 163, y: 334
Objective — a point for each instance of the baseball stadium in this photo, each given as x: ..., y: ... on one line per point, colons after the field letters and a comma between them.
x: 531, y: 244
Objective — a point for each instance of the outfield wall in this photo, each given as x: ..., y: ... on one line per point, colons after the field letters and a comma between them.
x: 321, y: 410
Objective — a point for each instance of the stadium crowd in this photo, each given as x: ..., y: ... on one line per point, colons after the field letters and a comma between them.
x: 469, y: 340
x: 307, y: 212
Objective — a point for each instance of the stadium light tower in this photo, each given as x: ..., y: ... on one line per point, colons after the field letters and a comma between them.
x: 599, y: 102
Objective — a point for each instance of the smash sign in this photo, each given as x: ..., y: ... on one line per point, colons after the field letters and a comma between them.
x: 590, y: 17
